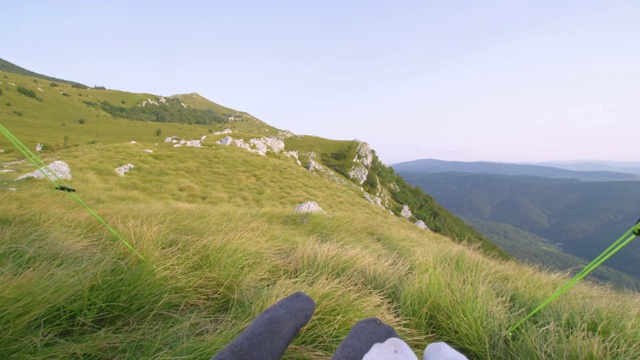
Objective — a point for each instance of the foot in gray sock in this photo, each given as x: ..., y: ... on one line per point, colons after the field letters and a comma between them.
x: 362, y: 337
x: 272, y: 331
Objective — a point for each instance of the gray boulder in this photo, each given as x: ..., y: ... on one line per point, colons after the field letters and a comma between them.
x: 59, y: 170
x: 405, y: 212
x: 124, y: 169
x: 421, y: 225
x: 309, y: 207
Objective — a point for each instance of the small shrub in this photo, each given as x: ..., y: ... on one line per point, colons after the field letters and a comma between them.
x: 81, y: 121
x: 96, y: 87
x: 0, y: 91
x: 78, y: 86
x: 35, y: 81
x: 63, y: 124
x: 27, y: 92
x: 158, y: 132
x: 210, y: 131
x: 54, y: 84
x: 64, y: 94
x: 19, y: 113
x: 7, y: 103
x: 66, y: 141
x: 91, y: 142
x: 122, y: 102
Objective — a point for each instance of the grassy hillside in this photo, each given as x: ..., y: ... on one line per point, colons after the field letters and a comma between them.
x: 220, y: 242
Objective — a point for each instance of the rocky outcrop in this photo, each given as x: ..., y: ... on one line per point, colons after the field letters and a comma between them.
x: 421, y: 225
x: 293, y: 155
x: 362, y: 163
x: 405, y: 212
x: 374, y: 200
x: 58, y: 170
x: 223, y: 132
x: 193, y: 143
x: 258, y: 145
x: 309, y: 207
x: 358, y: 174
x: 124, y: 169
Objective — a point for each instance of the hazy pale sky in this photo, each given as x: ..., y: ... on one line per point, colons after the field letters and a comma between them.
x: 454, y: 80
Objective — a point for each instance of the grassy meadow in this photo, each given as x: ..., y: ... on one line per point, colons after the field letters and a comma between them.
x: 220, y: 242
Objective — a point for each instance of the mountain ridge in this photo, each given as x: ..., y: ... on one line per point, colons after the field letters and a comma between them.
x: 435, y: 166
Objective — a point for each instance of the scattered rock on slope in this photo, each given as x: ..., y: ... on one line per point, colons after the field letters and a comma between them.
x: 421, y: 225
x: 309, y: 207
x: 124, y: 169
x: 405, y: 212
x: 59, y: 168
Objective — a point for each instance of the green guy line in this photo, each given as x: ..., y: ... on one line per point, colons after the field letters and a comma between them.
x: 612, y: 249
x: 39, y: 164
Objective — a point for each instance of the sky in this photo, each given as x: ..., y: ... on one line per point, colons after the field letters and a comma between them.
x: 509, y: 81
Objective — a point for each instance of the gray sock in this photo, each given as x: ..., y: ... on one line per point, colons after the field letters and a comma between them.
x: 272, y: 331
x: 362, y: 337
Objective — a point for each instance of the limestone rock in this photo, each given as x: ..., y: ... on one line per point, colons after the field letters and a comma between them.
x: 364, y: 154
x: 59, y: 168
x: 374, y: 200
x: 405, y: 212
x: 133, y: 142
x: 225, y: 131
x: 193, y: 143
x: 313, y: 166
x: 260, y: 146
x: 147, y: 151
x: 124, y: 169
x: 362, y: 163
x: 227, y: 140
x: 39, y: 147
x: 293, y: 155
x: 359, y: 174
x: 421, y: 225
x: 309, y: 207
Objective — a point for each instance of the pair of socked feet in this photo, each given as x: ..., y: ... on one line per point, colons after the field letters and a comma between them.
x: 271, y: 332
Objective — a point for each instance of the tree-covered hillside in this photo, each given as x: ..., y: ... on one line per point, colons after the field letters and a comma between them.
x: 582, y: 218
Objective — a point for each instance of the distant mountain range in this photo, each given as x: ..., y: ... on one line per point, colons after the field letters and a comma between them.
x: 581, y: 171
x: 595, y: 165
x: 576, y: 212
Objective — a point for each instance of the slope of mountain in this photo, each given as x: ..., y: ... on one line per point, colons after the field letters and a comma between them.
x: 533, y: 249
x: 582, y: 217
x: 220, y: 243
x: 437, y: 166
x: 12, y: 68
